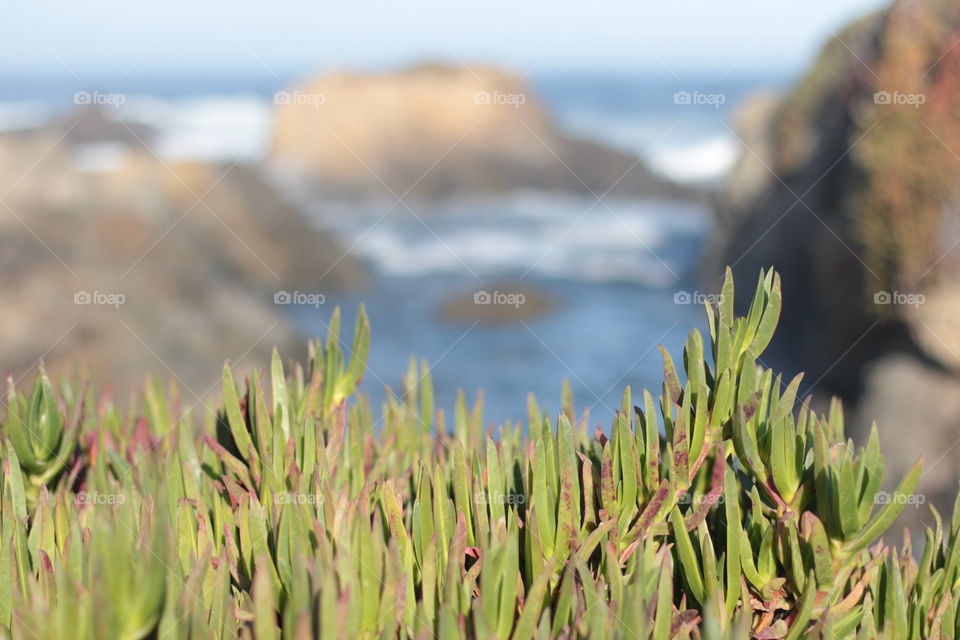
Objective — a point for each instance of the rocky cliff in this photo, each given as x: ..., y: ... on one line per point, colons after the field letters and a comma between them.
x: 848, y: 186
x: 432, y: 130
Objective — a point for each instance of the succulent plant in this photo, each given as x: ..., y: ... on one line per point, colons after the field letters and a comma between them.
x: 723, y: 509
x: 38, y: 436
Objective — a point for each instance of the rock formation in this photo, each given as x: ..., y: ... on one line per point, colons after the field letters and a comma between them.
x: 432, y: 130
x: 848, y: 187
x: 148, y: 267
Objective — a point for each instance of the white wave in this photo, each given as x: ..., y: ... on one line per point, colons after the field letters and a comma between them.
x: 211, y: 129
x: 703, y: 161
x: 16, y: 116
x: 525, y: 233
x: 99, y: 157
x: 206, y: 128
x: 688, y: 149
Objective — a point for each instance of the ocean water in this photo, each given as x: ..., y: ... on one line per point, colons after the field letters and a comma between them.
x: 612, y: 275
x: 680, y: 126
x: 621, y: 274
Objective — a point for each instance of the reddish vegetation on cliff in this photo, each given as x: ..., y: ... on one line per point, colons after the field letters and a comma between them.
x: 857, y: 206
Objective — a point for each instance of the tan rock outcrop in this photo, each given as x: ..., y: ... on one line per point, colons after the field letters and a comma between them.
x: 432, y: 130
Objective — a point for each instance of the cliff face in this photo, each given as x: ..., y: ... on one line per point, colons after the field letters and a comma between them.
x: 432, y: 130
x: 858, y: 207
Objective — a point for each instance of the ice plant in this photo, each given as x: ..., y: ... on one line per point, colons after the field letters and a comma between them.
x: 38, y: 437
x: 721, y: 507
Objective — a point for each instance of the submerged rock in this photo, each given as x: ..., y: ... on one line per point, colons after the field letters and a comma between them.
x: 498, y: 303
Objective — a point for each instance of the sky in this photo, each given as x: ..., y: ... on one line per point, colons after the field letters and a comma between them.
x: 125, y: 37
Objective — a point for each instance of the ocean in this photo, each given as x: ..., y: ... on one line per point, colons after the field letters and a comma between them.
x: 621, y: 275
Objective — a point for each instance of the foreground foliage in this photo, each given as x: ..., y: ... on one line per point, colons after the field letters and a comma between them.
x: 719, y: 510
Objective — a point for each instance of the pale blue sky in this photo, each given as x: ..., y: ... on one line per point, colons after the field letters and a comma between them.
x: 264, y: 36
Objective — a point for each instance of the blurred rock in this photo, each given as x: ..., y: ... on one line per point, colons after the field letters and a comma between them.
x: 148, y: 267
x: 98, y: 125
x: 860, y: 212
x: 917, y: 409
x: 750, y: 174
x: 499, y: 303
x: 934, y: 323
x: 432, y: 130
